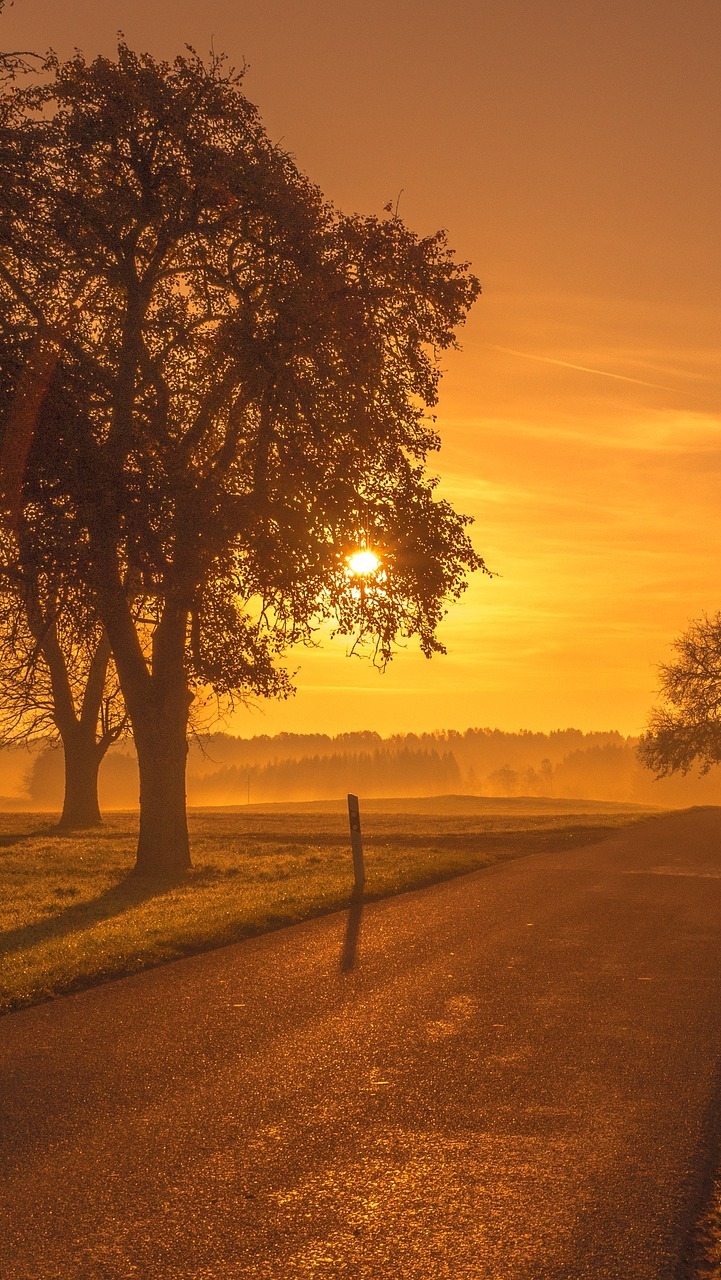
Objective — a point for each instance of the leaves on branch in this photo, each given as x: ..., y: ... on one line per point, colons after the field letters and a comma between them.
x: 244, y: 393
x: 687, y: 729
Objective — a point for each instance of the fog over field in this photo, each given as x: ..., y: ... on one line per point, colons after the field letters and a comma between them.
x: 227, y: 770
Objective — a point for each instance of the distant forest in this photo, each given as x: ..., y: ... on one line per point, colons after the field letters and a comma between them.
x: 225, y: 770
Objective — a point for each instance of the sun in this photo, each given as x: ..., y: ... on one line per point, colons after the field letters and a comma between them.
x: 363, y: 562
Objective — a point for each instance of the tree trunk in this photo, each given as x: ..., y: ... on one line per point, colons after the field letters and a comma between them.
x: 82, y: 750
x: 163, y: 844
x: 82, y: 762
x: 158, y: 702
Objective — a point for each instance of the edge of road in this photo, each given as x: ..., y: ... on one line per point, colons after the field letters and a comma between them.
x: 347, y: 903
x: 701, y: 1252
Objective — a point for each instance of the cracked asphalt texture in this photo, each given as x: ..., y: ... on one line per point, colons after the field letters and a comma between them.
x: 509, y: 1076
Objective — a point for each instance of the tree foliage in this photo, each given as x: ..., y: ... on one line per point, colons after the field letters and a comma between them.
x: 686, y: 728
x: 240, y: 385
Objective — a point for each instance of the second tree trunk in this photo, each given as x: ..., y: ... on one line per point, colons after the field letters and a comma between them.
x: 82, y: 762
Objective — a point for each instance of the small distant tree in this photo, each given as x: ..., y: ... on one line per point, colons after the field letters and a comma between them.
x: 686, y: 728
x: 504, y: 781
x: 239, y: 386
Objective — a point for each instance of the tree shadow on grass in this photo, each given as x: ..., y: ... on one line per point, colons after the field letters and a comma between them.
x: 531, y: 840
x: 54, y: 831
x: 19, y: 837
x: 127, y: 893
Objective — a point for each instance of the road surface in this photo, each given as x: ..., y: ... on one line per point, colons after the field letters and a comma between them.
x: 510, y: 1076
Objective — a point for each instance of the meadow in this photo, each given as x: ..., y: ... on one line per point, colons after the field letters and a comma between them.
x: 71, y: 914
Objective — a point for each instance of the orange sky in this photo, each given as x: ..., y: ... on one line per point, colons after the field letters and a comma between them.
x: 573, y: 151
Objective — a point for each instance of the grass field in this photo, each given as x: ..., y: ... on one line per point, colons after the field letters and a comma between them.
x: 71, y: 915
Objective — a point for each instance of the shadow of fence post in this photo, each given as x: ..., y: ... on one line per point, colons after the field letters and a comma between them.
x: 352, y: 932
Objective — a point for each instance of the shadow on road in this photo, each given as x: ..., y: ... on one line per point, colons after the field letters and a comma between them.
x: 129, y: 892
x: 349, y: 954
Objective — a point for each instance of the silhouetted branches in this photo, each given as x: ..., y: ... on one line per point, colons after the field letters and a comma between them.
x: 687, y: 728
x: 16, y: 62
x: 242, y: 391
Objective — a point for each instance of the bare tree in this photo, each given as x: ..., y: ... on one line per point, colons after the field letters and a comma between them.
x: 14, y: 62
x: 58, y: 684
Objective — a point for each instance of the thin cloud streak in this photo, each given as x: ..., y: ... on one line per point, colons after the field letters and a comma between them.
x: 669, y: 433
x: 582, y: 368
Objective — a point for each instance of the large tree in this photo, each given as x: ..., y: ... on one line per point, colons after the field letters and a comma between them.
x: 240, y: 393
x: 686, y: 728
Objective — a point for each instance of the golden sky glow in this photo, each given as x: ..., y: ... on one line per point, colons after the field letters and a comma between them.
x: 573, y: 151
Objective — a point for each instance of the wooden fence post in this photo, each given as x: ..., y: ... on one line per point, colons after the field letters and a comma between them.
x: 356, y: 840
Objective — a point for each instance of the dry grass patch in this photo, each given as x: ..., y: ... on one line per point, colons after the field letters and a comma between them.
x: 71, y: 914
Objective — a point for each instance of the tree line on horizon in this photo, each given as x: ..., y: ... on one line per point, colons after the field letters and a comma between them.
x: 228, y: 770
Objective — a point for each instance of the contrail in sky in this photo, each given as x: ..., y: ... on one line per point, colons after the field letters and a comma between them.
x: 582, y: 368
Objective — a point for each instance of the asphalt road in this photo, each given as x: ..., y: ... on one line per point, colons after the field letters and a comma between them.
x: 509, y: 1076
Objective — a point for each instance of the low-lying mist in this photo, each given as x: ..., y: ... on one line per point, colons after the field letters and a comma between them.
x: 225, y: 770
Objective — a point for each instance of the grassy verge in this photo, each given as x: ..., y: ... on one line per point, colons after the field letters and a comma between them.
x: 706, y: 1242
x: 71, y: 916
